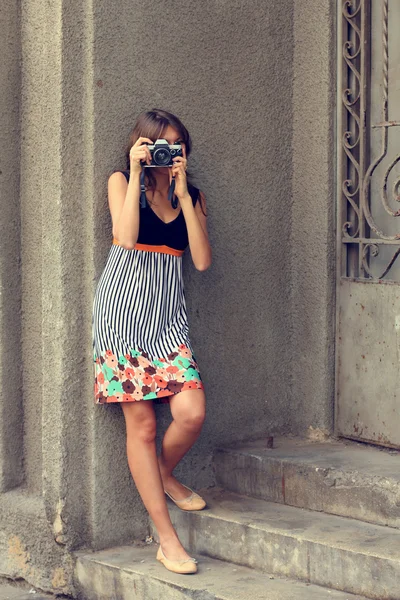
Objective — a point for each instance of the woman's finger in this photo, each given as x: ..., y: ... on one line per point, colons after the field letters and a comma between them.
x: 141, y: 140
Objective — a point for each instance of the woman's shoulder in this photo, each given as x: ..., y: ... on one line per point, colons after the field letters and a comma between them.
x: 114, y: 174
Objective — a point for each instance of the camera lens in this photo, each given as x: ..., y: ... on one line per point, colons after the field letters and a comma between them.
x: 162, y: 156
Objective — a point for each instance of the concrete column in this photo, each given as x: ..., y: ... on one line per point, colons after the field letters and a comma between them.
x: 11, y: 414
x: 313, y: 216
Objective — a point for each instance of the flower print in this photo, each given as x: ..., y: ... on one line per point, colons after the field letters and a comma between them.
x: 108, y: 373
x: 189, y: 385
x: 191, y: 374
x: 162, y: 393
x: 133, y: 376
x: 147, y: 380
x: 158, y: 363
x: 180, y: 362
x: 151, y: 370
x: 175, y: 386
x: 130, y: 373
x: 150, y: 396
x: 128, y: 387
x: 143, y: 362
x: 185, y: 352
x: 111, y: 361
x: 160, y: 381
x: 114, y: 386
x: 137, y: 394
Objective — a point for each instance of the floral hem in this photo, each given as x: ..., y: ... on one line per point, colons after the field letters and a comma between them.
x: 134, y: 376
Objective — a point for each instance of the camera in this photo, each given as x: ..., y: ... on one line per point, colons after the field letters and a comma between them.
x: 162, y: 153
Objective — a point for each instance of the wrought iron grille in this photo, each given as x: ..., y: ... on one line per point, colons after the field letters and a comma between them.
x: 369, y: 151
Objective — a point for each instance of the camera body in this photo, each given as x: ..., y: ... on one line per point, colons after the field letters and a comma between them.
x: 162, y: 153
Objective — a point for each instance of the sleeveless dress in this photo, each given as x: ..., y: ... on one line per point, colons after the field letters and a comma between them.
x: 141, y: 344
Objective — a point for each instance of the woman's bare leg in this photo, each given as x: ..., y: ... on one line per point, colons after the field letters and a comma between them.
x: 140, y: 423
x: 188, y: 412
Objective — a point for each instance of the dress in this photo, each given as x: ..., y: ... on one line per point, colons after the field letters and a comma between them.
x: 141, y: 344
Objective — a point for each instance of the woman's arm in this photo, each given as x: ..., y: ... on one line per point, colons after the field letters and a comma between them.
x: 196, y: 223
x: 123, y: 197
x: 123, y: 201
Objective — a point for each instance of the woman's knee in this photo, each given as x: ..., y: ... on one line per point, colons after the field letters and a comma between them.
x: 140, y: 423
x: 191, y: 420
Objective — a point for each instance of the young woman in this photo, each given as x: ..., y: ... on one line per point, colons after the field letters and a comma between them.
x: 142, y: 350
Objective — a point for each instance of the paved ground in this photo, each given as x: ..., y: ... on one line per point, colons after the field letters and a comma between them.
x: 10, y: 591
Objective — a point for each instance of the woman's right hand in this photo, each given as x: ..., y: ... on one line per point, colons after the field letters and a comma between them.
x: 138, y: 153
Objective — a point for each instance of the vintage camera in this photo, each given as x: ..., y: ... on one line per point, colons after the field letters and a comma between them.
x: 162, y: 153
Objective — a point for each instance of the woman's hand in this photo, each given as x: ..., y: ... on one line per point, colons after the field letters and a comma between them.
x: 138, y: 153
x: 179, y: 172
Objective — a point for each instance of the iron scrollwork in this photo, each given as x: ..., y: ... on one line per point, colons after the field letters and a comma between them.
x: 362, y: 237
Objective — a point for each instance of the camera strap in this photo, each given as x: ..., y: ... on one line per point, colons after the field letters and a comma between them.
x: 171, y: 192
x: 143, y: 199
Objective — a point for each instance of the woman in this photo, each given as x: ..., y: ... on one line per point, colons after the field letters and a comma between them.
x: 142, y: 350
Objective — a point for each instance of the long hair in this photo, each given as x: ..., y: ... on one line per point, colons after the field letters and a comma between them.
x: 151, y: 124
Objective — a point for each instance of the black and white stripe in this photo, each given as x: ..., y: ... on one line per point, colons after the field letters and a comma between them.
x: 140, y: 303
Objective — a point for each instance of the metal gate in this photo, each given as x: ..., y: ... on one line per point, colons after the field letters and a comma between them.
x: 368, y: 230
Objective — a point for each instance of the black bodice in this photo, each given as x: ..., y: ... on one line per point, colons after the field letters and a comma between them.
x: 153, y: 231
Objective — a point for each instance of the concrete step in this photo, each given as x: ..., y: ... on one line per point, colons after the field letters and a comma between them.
x: 339, y: 553
x: 131, y: 572
x: 338, y: 477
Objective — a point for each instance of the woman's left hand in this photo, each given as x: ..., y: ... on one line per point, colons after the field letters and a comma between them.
x: 179, y: 171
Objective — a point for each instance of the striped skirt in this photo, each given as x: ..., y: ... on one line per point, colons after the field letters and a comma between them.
x: 141, y: 345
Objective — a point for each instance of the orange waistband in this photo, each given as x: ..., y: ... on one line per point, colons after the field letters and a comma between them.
x: 149, y: 248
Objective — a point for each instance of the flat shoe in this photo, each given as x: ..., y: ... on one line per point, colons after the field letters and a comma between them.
x: 177, y: 566
x: 192, y: 502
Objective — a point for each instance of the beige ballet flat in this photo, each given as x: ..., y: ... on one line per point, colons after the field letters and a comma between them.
x: 177, y: 566
x: 192, y: 502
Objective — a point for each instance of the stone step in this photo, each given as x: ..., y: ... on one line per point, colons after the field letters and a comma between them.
x: 132, y: 573
x: 338, y: 477
x: 339, y: 553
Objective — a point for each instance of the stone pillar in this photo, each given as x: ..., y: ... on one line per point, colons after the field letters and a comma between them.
x: 11, y: 424
x: 313, y: 217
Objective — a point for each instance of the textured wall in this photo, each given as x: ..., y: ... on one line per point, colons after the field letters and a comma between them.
x: 10, y: 294
x: 313, y: 216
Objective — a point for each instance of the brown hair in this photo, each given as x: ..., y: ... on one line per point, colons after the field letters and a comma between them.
x: 151, y: 124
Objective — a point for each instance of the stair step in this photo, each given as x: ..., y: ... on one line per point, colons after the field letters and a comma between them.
x: 131, y: 572
x: 338, y: 477
x: 327, y: 550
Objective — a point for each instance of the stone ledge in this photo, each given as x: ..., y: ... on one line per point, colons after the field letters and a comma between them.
x: 338, y: 477
x: 132, y: 572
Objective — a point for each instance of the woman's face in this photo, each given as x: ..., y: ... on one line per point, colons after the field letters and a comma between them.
x: 173, y: 137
